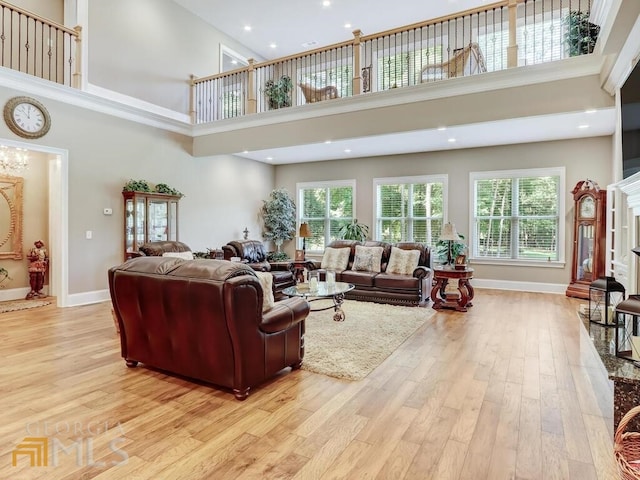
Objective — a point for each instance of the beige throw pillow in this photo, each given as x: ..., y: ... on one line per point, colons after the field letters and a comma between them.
x: 335, y: 258
x: 403, y: 262
x: 266, y: 282
x: 183, y: 255
x: 367, y: 259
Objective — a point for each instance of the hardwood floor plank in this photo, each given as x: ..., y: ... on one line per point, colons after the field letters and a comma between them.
x: 510, y: 389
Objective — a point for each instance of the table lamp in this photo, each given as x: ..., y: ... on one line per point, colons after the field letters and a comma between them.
x: 449, y: 234
x: 304, y: 233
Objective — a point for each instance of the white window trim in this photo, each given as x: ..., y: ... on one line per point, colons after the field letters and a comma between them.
x: 443, y: 178
x: 531, y: 172
x: 322, y: 184
x: 224, y: 50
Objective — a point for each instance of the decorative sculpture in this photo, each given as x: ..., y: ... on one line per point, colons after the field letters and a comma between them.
x: 37, y: 268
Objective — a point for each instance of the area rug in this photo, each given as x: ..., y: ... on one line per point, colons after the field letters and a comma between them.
x: 14, y: 305
x: 354, y: 348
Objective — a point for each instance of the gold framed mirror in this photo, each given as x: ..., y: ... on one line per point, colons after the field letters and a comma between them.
x: 11, y: 217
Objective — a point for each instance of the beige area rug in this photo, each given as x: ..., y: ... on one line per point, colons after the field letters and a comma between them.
x: 353, y: 348
x: 14, y: 305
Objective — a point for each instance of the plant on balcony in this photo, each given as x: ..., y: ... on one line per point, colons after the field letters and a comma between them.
x: 581, y: 34
x: 278, y: 93
x: 279, y: 216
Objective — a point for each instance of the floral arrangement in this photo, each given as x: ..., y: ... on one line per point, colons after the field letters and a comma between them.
x: 143, y: 186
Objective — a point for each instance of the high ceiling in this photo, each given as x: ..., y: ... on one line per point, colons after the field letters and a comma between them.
x: 303, y: 25
x: 290, y: 24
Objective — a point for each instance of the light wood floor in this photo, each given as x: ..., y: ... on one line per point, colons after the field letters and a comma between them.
x: 511, y: 389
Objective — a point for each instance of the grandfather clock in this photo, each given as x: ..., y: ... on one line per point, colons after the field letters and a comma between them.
x: 589, y: 233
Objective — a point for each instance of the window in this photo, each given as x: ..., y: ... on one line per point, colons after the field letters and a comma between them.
x: 517, y: 215
x: 326, y: 207
x: 410, y: 209
x: 339, y: 76
x: 404, y: 68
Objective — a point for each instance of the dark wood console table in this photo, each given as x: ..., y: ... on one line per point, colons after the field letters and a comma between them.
x: 459, y: 301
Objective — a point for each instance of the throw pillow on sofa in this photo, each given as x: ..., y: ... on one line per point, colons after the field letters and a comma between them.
x: 183, y: 255
x: 403, y: 262
x: 335, y: 258
x: 367, y: 259
x: 266, y: 282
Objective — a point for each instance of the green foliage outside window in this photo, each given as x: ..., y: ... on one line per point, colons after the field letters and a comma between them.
x: 327, y: 210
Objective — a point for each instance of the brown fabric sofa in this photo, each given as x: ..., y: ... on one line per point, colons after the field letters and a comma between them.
x: 203, y: 319
x: 386, y: 287
x: 253, y: 254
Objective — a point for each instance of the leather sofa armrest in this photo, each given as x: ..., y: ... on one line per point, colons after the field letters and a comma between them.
x: 260, y: 266
x: 284, y: 315
x: 422, y: 272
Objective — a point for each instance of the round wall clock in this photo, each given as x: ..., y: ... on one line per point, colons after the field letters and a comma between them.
x: 27, y: 117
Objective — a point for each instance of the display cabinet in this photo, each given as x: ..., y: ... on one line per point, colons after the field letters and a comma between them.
x: 148, y: 217
x: 588, y: 237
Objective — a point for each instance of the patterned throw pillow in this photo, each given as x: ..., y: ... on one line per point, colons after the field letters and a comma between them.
x: 183, y: 255
x: 403, y: 262
x: 367, y: 259
x: 335, y: 258
x: 266, y: 282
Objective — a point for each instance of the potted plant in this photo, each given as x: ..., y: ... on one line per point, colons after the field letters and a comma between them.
x: 581, y: 34
x: 354, y: 231
x: 279, y: 216
x: 137, y: 186
x: 278, y: 93
x: 457, y: 249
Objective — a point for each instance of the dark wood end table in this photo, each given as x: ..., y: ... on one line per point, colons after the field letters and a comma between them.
x: 460, y: 301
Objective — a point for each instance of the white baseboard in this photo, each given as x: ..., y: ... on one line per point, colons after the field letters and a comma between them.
x: 86, y: 298
x: 18, y: 293
x: 535, y: 287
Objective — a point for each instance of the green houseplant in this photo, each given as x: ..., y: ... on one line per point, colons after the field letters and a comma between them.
x: 457, y: 248
x: 581, y: 34
x: 278, y: 93
x: 354, y: 231
x: 279, y: 216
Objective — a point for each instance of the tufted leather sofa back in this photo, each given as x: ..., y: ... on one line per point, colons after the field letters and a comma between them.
x: 156, y: 249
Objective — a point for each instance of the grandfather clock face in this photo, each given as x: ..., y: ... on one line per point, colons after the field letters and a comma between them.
x: 587, y: 207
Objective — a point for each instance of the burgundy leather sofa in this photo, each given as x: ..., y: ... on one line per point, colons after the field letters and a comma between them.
x: 253, y: 254
x: 203, y: 319
x: 160, y: 247
x: 386, y: 287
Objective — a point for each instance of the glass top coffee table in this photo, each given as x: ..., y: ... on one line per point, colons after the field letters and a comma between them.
x: 335, y: 291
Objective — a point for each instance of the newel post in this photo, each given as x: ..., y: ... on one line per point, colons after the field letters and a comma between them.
x: 512, y: 49
x: 357, y: 75
x: 252, y: 102
x: 76, y: 81
x: 192, y: 98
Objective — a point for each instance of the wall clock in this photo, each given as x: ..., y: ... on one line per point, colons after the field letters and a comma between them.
x: 27, y: 117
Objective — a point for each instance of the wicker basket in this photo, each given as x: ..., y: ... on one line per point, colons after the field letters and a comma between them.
x: 627, y: 448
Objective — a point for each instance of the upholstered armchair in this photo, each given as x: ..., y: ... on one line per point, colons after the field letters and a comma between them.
x: 206, y: 320
x: 253, y: 254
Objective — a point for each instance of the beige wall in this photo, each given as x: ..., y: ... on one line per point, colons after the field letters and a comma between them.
x: 222, y: 194
x: 49, y: 9
x: 583, y: 158
x: 35, y: 222
x: 147, y: 49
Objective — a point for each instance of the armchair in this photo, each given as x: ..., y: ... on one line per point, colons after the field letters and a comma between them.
x: 252, y: 253
x: 204, y: 319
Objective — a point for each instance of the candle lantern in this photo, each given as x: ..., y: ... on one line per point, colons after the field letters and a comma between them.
x: 604, y: 294
x: 627, y: 315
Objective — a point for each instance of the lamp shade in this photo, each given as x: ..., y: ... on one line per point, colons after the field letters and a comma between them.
x: 449, y: 232
x: 305, y: 231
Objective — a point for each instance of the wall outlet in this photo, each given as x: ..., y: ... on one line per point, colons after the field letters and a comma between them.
x: 89, y: 234
x: 107, y: 211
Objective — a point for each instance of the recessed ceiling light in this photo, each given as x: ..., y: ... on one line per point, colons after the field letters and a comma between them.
x: 273, y: 45
x: 247, y: 28
x: 245, y: 151
x: 590, y: 110
x: 234, y: 61
x: 327, y: 141
x: 442, y: 129
x: 347, y: 150
x: 583, y: 126
x: 269, y: 158
x: 451, y: 140
x: 326, y: 3
x: 347, y: 25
